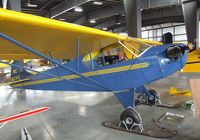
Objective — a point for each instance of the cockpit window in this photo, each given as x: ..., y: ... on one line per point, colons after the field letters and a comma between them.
x: 107, y: 56
x: 115, y: 53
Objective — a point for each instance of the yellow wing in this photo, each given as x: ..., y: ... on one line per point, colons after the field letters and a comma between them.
x: 44, y: 35
x: 150, y: 42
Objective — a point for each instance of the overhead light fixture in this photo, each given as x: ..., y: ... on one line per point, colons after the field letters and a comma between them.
x: 123, y: 15
x: 93, y: 21
x: 105, y: 29
x: 61, y: 19
x: 97, y: 3
x: 78, y: 9
x: 31, y: 5
x: 118, y: 23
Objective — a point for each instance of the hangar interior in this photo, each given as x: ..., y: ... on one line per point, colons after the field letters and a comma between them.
x: 80, y: 114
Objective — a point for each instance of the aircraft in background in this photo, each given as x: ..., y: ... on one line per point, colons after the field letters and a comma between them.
x: 125, y: 69
x: 193, y: 62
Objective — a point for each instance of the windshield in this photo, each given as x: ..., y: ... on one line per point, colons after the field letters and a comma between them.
x: 138, y: 44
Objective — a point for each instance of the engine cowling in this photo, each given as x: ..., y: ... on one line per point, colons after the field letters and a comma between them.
x: 174, y: 52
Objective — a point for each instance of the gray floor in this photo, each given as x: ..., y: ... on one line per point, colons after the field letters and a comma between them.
x: 75, y: 116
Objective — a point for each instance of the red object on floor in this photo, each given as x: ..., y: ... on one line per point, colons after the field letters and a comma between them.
x: 23, y: 114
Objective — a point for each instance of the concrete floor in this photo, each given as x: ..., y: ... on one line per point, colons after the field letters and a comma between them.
x: 75, y: 116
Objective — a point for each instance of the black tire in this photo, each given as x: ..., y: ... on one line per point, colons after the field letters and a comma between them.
x: 155, y: 95
x: 130, y: 116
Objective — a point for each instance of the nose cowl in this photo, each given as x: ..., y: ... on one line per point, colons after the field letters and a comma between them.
x: 175, y: 52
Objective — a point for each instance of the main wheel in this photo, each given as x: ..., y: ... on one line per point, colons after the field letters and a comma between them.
x: 154, y: 97
x: 129, y: 117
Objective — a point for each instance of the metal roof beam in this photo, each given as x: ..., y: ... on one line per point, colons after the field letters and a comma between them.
x: 65, y: 6
x: 110, y: 22
x: 116, y: 10
x: 120, y: 29
x: 81, y: 20
x: 106, y: 12
x: 158, y: 3
x: 106, y: 23
x: 164, y: 12
x: 150, y: 17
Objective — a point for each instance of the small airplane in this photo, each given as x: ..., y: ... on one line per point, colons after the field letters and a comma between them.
x: 124, y: 70
x: 193, y: 61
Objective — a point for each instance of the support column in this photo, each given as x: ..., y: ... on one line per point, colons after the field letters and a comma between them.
x: 191, y: 16
x: 5, y: 3
x: 15, y: 5
x: 133, y: 17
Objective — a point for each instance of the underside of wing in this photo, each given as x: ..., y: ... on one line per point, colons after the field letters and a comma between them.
x: 50, y: 36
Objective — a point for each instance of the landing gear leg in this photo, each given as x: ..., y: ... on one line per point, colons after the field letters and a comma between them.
x: 22, y: 91
x: 150, y: 97
x: 129, y: 118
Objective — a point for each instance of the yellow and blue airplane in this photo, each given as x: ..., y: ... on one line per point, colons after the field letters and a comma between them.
x: 125, y: 69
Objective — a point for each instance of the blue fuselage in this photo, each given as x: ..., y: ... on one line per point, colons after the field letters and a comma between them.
x: 151, y: 65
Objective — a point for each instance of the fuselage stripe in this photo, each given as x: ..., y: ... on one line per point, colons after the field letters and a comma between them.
x: 93, y: 73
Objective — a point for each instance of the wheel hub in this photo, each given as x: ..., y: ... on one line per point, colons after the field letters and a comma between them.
x: 129, y: 121
x: 151, y: 97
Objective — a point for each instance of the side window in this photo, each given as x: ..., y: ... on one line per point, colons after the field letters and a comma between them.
x: 107, y: 56
x: 113, y: 55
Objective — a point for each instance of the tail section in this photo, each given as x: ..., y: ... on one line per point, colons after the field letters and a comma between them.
x: 18, y: 73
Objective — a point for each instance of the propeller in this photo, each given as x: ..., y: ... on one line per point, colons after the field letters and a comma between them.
x: 176, y: 51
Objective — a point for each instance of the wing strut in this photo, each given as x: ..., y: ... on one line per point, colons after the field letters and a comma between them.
x: 49, y: 59
x: 78, y: 52
x: 127, y: 48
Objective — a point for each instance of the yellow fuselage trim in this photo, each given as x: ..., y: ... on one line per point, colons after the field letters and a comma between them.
x: 93, y: 73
